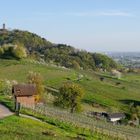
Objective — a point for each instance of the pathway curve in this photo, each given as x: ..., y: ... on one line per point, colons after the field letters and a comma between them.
x: 30, y: 117
x: 4, y: 111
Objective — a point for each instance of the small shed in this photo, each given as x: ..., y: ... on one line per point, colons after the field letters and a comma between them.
x: 24, y: 94
x: 114, y: 117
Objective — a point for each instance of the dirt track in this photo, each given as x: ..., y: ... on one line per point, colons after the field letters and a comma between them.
x: 4, y: 111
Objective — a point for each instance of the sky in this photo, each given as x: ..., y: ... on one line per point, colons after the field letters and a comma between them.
x: 92, y: 25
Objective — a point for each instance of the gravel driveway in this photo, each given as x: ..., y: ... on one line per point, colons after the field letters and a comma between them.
x: 4, y: 111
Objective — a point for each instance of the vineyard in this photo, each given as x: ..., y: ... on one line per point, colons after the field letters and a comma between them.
x: 107, y: 94
x: 85, y: 122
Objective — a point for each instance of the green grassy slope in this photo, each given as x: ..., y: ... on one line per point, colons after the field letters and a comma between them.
x: 15, y: 128
x: 107, y: 93
x: 135, y: 78
x: 75, y: 125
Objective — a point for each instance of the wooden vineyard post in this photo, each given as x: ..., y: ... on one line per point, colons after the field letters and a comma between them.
x: 17, y: 108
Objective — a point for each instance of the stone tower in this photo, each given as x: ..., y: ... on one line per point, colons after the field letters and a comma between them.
x: 4, y: 26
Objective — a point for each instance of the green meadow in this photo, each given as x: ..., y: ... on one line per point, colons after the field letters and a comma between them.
x: 111, y: 93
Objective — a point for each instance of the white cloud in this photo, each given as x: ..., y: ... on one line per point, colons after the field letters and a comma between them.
x: 124, y: 14
x: 111, y: 13
x: 96, y: 14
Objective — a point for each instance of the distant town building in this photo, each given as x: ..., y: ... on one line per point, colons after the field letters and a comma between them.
x: 114, y: 117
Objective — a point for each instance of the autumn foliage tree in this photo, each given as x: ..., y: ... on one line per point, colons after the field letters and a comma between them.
x: 19, y: 51
x: 70, y: 97
x: 36, y: 78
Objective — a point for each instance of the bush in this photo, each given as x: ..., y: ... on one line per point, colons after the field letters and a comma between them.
x: 6, y: 86
x: 102, y: 78
x: 1, y: 51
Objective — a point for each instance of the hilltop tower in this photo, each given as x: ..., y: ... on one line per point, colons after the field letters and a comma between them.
x: 3, y: 26
x: 3, y: 29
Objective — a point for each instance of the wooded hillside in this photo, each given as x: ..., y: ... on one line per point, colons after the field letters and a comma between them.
x: 59, y: 54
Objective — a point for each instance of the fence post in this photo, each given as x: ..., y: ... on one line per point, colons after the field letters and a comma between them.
x: 17, y: 108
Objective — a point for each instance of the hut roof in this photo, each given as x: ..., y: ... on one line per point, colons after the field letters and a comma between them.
x: 24, y: 90
x: 117, y: 115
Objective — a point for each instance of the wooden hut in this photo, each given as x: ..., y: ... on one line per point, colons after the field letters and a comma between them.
x: 24, y: 94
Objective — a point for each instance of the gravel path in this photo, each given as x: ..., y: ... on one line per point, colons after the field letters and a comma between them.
x: 4, y: 111
x: 30, y: 117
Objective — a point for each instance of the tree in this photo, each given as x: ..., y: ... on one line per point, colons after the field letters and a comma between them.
x: 75, y: 65
x: 36, y: 78
x: 19, y: 51
x: 104, y: 62
x: 134, y: 112
x: 70, y: 97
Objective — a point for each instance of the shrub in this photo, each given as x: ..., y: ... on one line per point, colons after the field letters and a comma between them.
x: 17, y: 51
x: 6, y: 86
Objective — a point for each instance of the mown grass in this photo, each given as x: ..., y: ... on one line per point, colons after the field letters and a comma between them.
x: 19, y: 128
x: 15, y: 128
x: 107, y: 93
